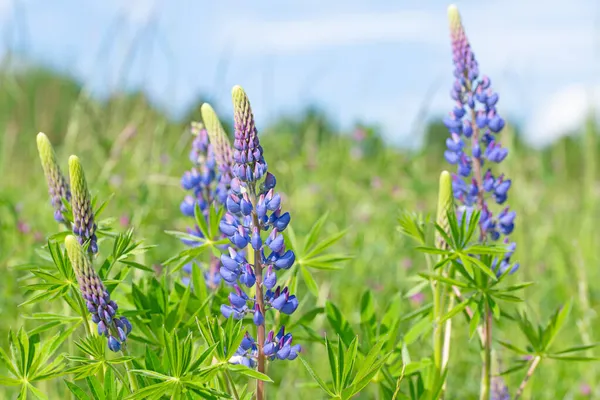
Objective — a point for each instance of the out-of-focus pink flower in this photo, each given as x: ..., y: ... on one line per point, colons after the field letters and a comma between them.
x: 376, y: 182
x: 417, y: 298
x: 585, y: 389
x: 38, y: 236
x: 359, y: 134
x: 406, y: 263
x: 124, y: 221
x: 23, y: 227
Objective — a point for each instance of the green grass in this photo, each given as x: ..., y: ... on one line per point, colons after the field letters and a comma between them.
x: 555, y: 193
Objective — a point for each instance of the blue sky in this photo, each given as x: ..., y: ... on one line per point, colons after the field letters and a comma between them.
x: 376, y: 61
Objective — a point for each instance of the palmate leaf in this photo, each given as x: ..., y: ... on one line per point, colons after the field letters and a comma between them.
x: 350, y: 371
x: 179, y: 369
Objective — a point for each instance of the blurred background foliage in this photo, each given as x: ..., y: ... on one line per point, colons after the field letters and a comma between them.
x: 130, y: 148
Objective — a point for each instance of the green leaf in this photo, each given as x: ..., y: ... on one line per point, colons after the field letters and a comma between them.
x: 154, y: 390
x: 339, y: 324
x: 310, y: 281
x: 417, y: 330
x: 333, y: 365
x: 314, y: 375
x: 95, y: 387
x: 577, y: 348
x: 313, y: 234
x: 460, y: 307
x: 77, y: 391
x: 251, y: 373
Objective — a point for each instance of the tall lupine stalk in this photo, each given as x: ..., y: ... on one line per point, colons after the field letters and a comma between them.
x: 474, y: 125
x: 84, y: 226
x: 58, y: 187
x: 442, y: 334
x: 254, y: 207
x: 207, y: 186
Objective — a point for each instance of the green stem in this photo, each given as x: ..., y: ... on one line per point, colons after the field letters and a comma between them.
x: 486, y: 378
x: 129, y: 367
x: 236, y: 396
x: 530, y: 371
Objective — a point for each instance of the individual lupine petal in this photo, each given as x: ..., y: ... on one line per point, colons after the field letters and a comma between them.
x: 228, y: 225
x: 237, y: 300
x: 113, y: 344
x: 258, y: 318
x: 240, y: 238
x: 233, y: 204
x: 83, y: 215
x: 274, y: 203
x: 248, y: 277
x: 261, y: 207
x: 102, y: 329
x: 275, y: 241
x: 247, y: 342
x: 270, y: 279
x: 464, y: 166
x: 187, y: 206
x: 451, y: 156
x: 256, y: 241
x: 455, y: 143
x: 126, y: 324
x: 229, y: 263
x: 290, y: 305
x: 270, y: 181
x: 280, y: 301
x: 294, y: 350
x: 245, y: 205
x: 229, y: 311
x: 284, y: 352
x: 122, y: 335
x: 496, y: 124
x: 58, y: 188
x: 228, y: 275
x: 269, y: 349
x: 285, y: 261
x: 282, y: 222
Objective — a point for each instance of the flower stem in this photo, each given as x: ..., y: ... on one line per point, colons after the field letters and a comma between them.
x: 230, y: 383
x: 129, y: 367
x: 486, y: 376
x: 258, y: 271
x: 530, y: 371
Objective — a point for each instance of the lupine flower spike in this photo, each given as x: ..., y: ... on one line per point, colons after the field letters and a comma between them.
x: 221, y: 149
x: 474, y: 126
x: 58, y: 188
x: 84, y: 226
x: 99, y: 304
x: 254, y: 207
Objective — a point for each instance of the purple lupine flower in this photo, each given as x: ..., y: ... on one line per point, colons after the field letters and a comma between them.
x: 474, y: 125
x: 58, y: 187
x: 254, y: 223
x: 208, y: 183
x: 97, y: 299
x: 84, y: 225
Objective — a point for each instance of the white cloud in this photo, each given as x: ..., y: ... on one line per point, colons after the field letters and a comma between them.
x: 563, y: 113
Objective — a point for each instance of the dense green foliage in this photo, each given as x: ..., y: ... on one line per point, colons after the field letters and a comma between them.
x: 135, y: 152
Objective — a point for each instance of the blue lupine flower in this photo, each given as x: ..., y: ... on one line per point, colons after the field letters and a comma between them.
x: 475, y: 117
x: 254, y: 223
x: 97, y: 298
x: 207, y: 181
